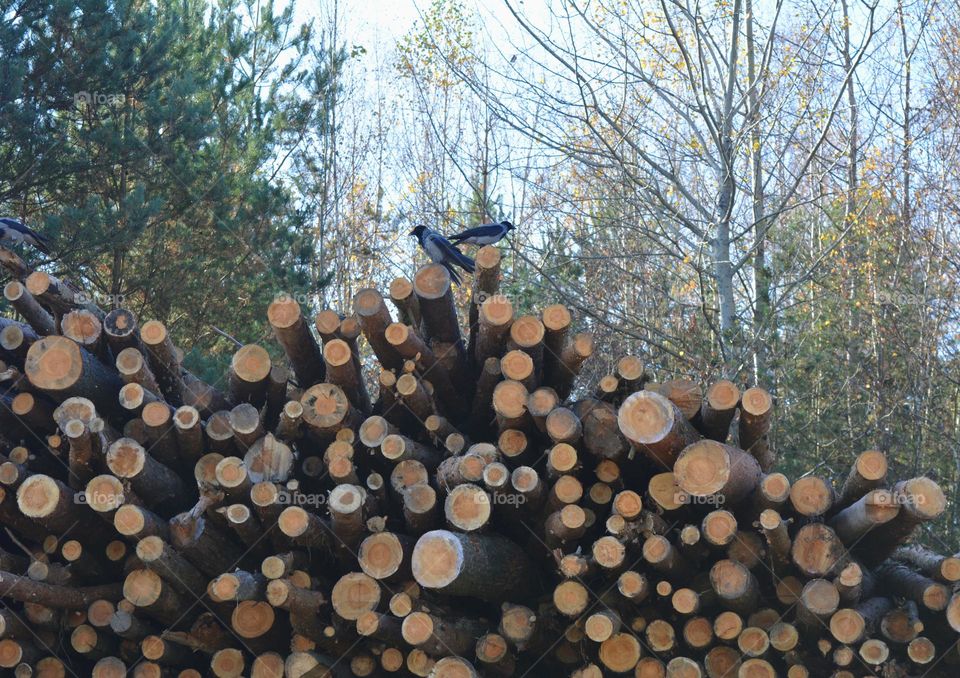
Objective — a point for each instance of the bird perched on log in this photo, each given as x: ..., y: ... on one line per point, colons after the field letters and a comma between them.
x: 484, y: 234
x: 442, y: 251
x: 13, y: 231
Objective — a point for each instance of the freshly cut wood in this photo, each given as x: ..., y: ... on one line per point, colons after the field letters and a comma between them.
x: 483, y: 566
x: 945, y: 569
x: 920, y: 500
x: 574, y: 354
x: 756, y: 408
x: 873, y: 509
x: 293, y: 334
x: 620, y: 653
x: 708, y: 469
x: 817, y: 550
x: 249, y: 375
x: 718, y: 409
x: 735, y: 586
x: 62, y: 369
x: 164, y: 360
x: 685, y: 394
x: 811, y: 496
x: 326, y: 410
x: 656, y: 426
x: 84, y: 328
x: 28, y: 306
x: 432, y: 285
x: 867, y: 473
x: 150, y: 479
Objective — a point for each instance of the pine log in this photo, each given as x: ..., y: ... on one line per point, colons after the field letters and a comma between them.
x: 574, y: 354
x: 483, y: 566
x: 711, y: 471
x: 718, y: 409
x: 27, y: 306
x: 293, y: 334
x: 163, y: 359
x: 656, y: 426
x: 60, y: 368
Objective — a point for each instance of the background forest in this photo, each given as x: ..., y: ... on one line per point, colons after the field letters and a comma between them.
x: 760, y: 189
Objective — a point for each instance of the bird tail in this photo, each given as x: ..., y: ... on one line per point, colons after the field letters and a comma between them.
x: 465, y: 262
x: 454, y: 276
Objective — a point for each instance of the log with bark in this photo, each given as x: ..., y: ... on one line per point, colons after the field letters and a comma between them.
x: 478, y: 513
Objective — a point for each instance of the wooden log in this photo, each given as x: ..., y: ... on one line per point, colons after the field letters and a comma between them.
x: 620, y: 653
x: 354, y: 594
x: 683, y: 393
x: 208, y: 547
x: 421, y: 511
x: 84, y: 328
x: 656, y: 426
x: 135, y: 521
x: 402, y: 296
x: 873, y: 509
x: 150, y: 479
x: 718, y: 409
x: 201, y: 395
x: 408, y: 345
x: 27, y: 306
x: 163, y: 359
x: 326, y: 410
x: 494, y: 320
x: 293, y: 334
x: 121, y: 330
x: 817, y: 551
x: 62, y: 369
x: 898, y: 579
x: 441, y: 636
x: 133, y: 369
x: 306, y: 529
x: 945, y: 569
x: 557, y: 322
x: 50, y: 503
x: 708, y: 470
x: 867, y: 473
x: 374, y: 319
x: 756, y: 408
x: 818, y: 600
x: 811, y: 496
x: 488, y: 567
x: 434, y: 292
x: 249, y: 375
x: 159, y: 429
x: 574, y: 354
x: 736, y: 587
x: 921, y: 500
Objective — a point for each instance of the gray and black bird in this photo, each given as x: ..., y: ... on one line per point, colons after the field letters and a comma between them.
x: 13, y: 231
x: 484, y: 234
x: 442, y: 251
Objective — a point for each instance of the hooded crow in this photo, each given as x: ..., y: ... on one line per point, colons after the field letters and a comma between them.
x: 441, y: 251
x: 13, y: 231
x: 484, y: 234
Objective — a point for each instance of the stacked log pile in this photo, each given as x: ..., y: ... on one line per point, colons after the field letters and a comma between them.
x: 455, y: 508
